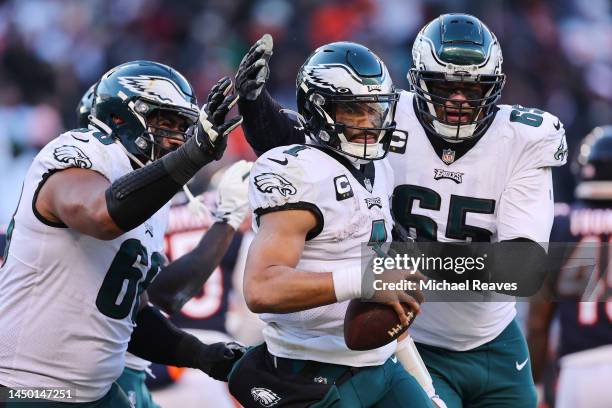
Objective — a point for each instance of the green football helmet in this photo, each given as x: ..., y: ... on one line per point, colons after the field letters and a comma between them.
x: 593, y: 165
x: 83, y: 109
x: 456, y: 53
x: 347, y: 99
x: 131, y: 100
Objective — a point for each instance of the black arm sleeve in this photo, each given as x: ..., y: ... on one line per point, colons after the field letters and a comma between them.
x: 183, y: 279
x: 265, y: 127
x: 135, y: 197
x: 156, y: 339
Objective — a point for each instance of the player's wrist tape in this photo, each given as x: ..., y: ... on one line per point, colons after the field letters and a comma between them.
x: 347, y: 283
x: 410, y: 358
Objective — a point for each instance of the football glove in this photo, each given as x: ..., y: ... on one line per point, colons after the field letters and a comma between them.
x: 254, y: 70
x: 232, y: 197
x: 218, y: 359
x: 213, y: 127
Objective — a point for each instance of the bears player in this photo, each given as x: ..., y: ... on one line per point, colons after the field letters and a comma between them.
x: 87, y: 238
x: 585, y: 344
x: 313, y: 206
x: 466, y: 169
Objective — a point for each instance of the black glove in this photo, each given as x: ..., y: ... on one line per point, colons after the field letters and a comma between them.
x: 213, y: 127
x: 217, y: 359
x: 254, y: 70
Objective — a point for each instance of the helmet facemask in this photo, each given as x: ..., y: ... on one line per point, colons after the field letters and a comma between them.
x: 357, y: 126
x: 164, y: 128
x: 456, y: 76
x: 456, y: 106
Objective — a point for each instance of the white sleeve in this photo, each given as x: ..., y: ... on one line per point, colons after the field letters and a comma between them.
x: 278, y: 187
x: 526, y: 208
x: 82, y: 151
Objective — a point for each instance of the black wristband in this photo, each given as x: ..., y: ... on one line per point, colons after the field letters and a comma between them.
x: 183, y: 163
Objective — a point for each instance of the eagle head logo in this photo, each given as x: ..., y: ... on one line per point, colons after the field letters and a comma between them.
x: 264, y: 396
x: 268, y: 182
x: 72, y: 155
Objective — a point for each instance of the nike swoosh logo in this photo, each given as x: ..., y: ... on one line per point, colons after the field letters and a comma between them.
x: 557, y: 125
x: 520, y: 366
x: 281, y: 162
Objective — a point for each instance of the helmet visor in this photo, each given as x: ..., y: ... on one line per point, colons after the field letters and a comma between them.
x: 361, y: 122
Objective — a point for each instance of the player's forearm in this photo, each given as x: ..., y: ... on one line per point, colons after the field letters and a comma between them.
x: 182, y: 279
x: 265, y: 127
x: 281, y: 289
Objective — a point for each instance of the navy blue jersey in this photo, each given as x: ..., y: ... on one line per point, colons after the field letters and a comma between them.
x: 208, y: 309
x: 585, y: 325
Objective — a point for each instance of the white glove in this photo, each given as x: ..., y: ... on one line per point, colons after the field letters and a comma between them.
x: 232, y: 197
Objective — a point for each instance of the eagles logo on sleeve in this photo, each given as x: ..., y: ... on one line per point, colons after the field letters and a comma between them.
x: 72, y: 155
x: 268, y: 182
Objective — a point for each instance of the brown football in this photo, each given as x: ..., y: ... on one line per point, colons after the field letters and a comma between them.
x: 369, y: 325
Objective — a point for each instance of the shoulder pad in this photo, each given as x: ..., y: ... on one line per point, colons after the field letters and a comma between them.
x: 77, y: 148
x: 541, y: 135
x: 283, y: 176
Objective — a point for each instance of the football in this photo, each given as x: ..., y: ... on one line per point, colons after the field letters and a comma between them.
x: 369, y: 325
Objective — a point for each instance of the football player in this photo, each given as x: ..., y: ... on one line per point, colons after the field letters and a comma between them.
x: 313, y: 206
x: 200, y: 247
x: 87, y: 238
x: 466, y: 169
x: 585, y: 346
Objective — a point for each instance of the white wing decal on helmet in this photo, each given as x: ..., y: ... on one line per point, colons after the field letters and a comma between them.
x: 156, y: 88
x: 341, y: 79
x: 268, y: 182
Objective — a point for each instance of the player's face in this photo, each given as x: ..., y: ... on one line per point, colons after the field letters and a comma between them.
x: 361, y: 115
x: 169, y: 129
x: 457, y: 108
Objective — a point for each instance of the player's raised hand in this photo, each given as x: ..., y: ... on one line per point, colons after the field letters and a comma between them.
x: 217, y: 359
x: 254, y: 70
x: 232, y: 198
x: 213, y: 125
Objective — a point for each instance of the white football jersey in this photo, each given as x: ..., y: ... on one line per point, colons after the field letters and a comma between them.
x: 500, y: 189
x: 349, y: 212
x: 67, y: 300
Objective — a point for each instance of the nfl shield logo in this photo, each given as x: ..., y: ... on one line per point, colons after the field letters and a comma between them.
x: 448, y: 156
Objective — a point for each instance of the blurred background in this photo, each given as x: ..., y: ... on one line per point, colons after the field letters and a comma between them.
x: 557, y: 56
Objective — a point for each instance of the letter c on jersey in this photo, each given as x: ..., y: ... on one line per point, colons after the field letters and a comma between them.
x: 343, y: 188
